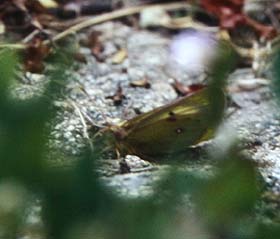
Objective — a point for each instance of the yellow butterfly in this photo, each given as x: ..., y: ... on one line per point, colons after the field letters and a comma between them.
x: 171, y: 128
x: 188, y: 121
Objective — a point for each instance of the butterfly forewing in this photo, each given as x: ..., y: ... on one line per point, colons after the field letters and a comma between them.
x: 170, y: 128
x: 185, y: 106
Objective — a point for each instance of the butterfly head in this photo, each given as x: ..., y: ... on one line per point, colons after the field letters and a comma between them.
x: 119, y: 132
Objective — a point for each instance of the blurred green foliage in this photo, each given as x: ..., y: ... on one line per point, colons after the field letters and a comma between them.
x: 75, y: 204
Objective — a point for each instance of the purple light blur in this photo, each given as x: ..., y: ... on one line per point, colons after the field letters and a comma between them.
x: 193, y: 50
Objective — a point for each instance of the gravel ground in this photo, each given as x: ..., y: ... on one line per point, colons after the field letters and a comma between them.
x: 256, y: 118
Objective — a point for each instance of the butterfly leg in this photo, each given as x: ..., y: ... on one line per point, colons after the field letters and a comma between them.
x: 118, y: 154
x: 123, y: 166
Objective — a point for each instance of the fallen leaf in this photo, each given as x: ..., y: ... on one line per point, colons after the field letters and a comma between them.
x: 48, y: 3
x: 230, y: 15
x: 184, y: 90
x: 120, y: 56
x: 248, y: 85
x: 78, y: 56
x: 117, y: 97
x: 34, y: 55
x: 93, y: 42
x: 144, y: 83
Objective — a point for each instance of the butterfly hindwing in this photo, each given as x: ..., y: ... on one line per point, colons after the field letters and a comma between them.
x: 166, y: 137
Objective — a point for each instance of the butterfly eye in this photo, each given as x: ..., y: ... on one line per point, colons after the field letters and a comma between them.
x: 179, y: 130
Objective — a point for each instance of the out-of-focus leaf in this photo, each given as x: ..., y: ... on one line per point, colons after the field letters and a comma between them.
x: 13, y: 199
x: 175, y: 184
x: 271, y: 231
x: 276, y: 74
x: 229, y: 196
x: 74, y: 196
x: 219, y: 69
x: 22, y: 139
x: 8, y: 63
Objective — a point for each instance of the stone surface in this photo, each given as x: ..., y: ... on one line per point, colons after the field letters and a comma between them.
x: 254, y: 119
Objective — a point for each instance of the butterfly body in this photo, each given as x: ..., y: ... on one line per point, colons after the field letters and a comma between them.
x: 168, y: 129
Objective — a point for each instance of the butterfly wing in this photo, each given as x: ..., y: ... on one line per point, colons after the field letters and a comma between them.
x: 165, y: 137
x: 187, y: 105
x: 170, y: 128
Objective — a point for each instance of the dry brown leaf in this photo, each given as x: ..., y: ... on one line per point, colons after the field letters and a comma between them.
x: 118, y: 97
x: 95, y: 45
x: 144, y: 83
x: 120, y: 56
x: 78, y: 56
x: 48, y: 3
x: 34, y: 55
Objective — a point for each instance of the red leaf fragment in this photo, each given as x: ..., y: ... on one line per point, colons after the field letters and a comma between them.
x: 230, y: 15
x: 184, y: 90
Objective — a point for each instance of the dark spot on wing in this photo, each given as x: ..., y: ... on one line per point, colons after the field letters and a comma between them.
x: 172, y: 117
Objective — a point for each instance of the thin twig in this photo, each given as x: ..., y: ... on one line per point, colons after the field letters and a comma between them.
x: 17, y: 46
x: 114, y: 15
x: 30, y: 36
x: 103, y: 18
x: 85, y: 131
x: 122, y: 13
